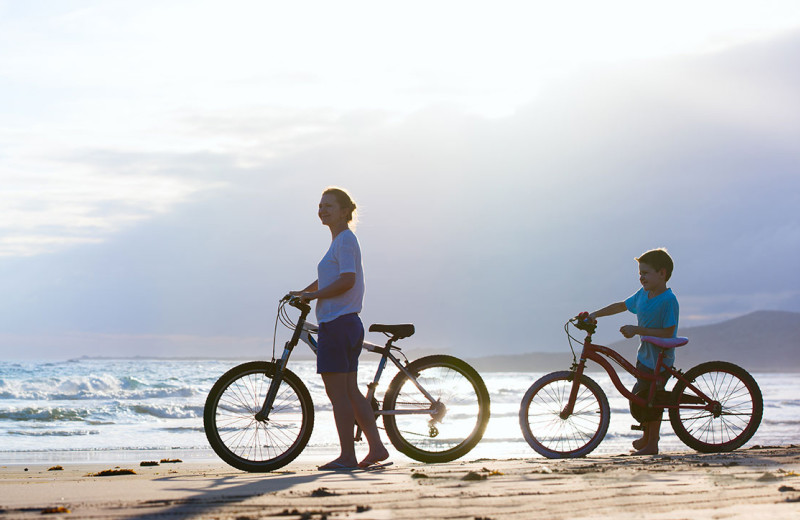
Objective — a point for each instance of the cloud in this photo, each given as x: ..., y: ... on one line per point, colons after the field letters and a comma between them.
x: 47, y: 205
x: 488, y: 233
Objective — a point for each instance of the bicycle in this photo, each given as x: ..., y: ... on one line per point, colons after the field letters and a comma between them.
x: 715, y: 406
x: 259, y: 415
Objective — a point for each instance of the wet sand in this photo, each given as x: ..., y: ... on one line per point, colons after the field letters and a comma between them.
x: 760, y: 482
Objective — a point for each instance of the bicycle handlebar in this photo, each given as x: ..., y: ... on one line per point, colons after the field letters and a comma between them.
x: 585, y: 322
x: 296, y: 302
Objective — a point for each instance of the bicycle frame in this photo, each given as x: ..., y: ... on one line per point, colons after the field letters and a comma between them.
x: 596, y: 353
x: 304, y: 331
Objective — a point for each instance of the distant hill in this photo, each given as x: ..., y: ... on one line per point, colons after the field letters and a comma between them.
x: 762, y: 341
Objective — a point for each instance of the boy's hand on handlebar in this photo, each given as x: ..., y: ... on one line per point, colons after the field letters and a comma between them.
x: 585, y: 321
x: 628, y: 331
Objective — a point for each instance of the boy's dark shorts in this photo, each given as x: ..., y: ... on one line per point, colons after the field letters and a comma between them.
x: 339, y: 344
x: 642, y: 389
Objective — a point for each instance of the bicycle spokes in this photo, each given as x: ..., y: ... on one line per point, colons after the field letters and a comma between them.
x: 729, y: 414
x: 732, y: 416
x: 237, y: 433
x: 551, y: 428
x: 565, y: 432
x: 443, y: 422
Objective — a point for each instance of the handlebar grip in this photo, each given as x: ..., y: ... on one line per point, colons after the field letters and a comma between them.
x: 296, y: 302
x: 586, y: 322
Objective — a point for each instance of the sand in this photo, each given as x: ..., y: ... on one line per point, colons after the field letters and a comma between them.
x: 760, y: 482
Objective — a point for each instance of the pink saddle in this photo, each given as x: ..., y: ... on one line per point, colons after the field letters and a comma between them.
x: 666, y: 342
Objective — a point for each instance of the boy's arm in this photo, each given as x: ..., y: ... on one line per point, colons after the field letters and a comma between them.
x: 630, y: 331
x: 614, y: 308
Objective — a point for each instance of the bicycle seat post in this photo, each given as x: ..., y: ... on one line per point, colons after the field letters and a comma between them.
x: 651, y: 394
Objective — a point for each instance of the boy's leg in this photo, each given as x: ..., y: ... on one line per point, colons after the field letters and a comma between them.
x: 652, y: 436
x: 650, y: 419
x: 641, y: 442
x: 637, y: 412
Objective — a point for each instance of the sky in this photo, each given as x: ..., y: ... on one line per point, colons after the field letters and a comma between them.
x: 161, y: 163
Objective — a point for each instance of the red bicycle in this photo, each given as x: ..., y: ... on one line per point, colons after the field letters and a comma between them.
x: 713, y: 407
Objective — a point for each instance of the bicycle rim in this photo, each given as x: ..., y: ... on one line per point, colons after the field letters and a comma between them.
x: 554, y: 437
x: 461, y: 410
x: 738, y: 416
x: 242, y: 441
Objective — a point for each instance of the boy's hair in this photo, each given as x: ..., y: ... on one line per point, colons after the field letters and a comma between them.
x: 658, y: 259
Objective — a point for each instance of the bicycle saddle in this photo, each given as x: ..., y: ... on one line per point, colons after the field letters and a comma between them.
x: 666, y: 342
x: 398, y: 331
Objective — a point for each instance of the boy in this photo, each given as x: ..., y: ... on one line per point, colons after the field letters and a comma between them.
x: 656, y: 310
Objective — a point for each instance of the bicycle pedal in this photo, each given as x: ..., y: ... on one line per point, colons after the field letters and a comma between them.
x: 637, y: 427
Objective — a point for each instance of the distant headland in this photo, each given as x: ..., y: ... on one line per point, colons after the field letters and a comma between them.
x: 762, y: 341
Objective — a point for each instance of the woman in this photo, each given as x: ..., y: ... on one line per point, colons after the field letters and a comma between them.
x: 339, y: 291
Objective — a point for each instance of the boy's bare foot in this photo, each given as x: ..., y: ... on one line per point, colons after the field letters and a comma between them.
x: 640, y: 443
x: 647, y: 450
x: 374, y: 458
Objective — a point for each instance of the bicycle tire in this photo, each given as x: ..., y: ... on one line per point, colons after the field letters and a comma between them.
x: 242, y: 441
x: 459, y: 424
x: 577, y: 435
x: 741, y: 408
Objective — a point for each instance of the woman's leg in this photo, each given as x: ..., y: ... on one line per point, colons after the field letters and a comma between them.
x: 365, y: 416
x: 336, y: 386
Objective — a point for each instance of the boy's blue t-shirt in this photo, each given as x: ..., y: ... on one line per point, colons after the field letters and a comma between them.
x: 656, y: 313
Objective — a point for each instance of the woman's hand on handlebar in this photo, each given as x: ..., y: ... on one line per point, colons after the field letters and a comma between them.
x: 303, y: 296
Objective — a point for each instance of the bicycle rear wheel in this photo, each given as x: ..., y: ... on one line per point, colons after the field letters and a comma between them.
x: 732, y: 423
x: 553, y: 436
x: 249, y: 444
x: 458, y: 416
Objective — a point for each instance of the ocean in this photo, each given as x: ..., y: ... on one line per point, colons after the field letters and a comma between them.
x: 143, y: 409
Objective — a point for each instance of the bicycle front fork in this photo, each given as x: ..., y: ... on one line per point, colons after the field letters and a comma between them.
x: 577, y: 373
x: 275, y: 383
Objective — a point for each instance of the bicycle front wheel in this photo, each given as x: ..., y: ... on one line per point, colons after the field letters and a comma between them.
x: 732, y: 422
x: 245, y: 442
x: 455, y: 420
x: 553, y: 436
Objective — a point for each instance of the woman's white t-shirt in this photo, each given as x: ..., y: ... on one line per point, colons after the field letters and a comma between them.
x: 344, y: 256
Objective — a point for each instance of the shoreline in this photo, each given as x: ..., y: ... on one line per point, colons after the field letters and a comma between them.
x: 758, y: 482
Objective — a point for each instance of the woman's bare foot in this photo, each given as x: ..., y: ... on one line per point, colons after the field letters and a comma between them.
x: 340, y: 464
x: 374, y: 458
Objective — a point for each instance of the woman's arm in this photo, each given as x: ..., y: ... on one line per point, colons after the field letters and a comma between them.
x: 311, y: 287
x: 341, y: 285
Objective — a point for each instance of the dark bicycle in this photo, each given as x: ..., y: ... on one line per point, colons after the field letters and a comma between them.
x: 259, y: 415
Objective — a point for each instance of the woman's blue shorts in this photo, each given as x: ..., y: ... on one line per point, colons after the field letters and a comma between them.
x: 340, y: 344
